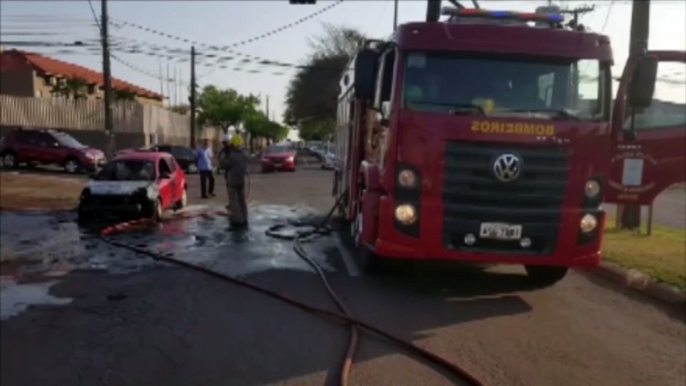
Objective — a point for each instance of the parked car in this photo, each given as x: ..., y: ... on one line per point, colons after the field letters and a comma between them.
x: 314, y: 146
x: 185, y: 156
x: 134, y: 185
x: 329, y: 161
x: 278, y: 157
x: 49, y: 147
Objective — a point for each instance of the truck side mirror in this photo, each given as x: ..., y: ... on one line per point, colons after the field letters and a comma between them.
x: 365, y: 71
x: 642, y: 88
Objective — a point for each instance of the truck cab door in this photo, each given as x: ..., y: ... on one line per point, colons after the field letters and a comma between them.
x: 650, y: 157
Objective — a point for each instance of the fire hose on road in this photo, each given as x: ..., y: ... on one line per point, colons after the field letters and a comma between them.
x: 344, y: 316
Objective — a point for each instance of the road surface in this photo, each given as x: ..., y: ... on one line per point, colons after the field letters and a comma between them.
x: 102, y: 316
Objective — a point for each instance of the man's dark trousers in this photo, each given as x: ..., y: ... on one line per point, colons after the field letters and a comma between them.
x: 206, y: 175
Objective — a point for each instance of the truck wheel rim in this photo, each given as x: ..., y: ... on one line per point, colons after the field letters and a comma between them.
x: 71, y: 166
x: 8, y: 160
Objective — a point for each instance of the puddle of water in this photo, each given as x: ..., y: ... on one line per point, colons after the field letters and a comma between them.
x: 58, y: 245
x: 16, y: 298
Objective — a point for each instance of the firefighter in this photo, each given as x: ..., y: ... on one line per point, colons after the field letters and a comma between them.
x: 235, y: 165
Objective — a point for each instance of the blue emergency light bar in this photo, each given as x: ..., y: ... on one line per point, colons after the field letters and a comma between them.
x: 473, y: 12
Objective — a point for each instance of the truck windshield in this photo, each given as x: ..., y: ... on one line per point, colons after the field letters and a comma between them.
x: 128, y: 170
x: 528, y: 87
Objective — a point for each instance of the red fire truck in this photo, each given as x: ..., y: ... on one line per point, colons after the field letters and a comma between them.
x: 493, y: 138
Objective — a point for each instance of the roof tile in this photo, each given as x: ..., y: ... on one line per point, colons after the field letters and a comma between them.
x: 58, y: 67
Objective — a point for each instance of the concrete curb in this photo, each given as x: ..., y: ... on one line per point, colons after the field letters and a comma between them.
x: 639, y: 281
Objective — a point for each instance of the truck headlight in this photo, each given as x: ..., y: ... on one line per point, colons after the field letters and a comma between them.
x: 592, y: 189
x: 588, y: 223
x: 407, y: 178
x: 405, y: 214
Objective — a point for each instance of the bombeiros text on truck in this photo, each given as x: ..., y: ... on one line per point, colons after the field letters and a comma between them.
x: 492, y: 137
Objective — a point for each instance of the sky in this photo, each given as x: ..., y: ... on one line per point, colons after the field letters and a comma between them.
x: 225, y: 22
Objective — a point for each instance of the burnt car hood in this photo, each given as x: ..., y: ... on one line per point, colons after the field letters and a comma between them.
x: 120, y: 187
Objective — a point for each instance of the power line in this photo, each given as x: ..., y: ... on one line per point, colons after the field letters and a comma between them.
x: 211, y: 47
x: 607, y: 16
x: 253, y: 39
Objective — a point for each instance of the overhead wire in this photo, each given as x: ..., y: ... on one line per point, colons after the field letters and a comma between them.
x: 607, y: 16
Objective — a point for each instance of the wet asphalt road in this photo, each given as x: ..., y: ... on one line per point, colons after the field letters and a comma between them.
x: 103, y: 316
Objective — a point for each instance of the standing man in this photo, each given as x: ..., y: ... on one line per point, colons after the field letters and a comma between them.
x: 235, y: 165
x: 204, y: 159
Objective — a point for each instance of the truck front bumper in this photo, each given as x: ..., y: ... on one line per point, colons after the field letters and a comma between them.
x: 431, y: 241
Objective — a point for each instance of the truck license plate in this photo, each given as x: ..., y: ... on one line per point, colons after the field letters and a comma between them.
x: 500, y: 231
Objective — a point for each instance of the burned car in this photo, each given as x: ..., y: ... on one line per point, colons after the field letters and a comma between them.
x: 134, y: 185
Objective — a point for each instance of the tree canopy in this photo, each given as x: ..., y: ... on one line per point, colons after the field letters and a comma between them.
x: 72, y: 87
x: 226, y: 108
x: 312, y: 95
x: 223, y: 108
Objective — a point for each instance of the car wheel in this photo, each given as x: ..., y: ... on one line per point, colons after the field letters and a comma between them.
x: 72, y: 165
x: 545, y: 276
x: 157, y: 210
x: 183, y: 201
x: 9, y: 160
x: 84, y: 218
x: 192, y: 168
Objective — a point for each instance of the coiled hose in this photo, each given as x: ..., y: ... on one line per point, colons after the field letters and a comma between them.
x: 345, y: 316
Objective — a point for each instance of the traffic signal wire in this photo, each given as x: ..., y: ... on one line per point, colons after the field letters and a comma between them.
x: 344, y: 317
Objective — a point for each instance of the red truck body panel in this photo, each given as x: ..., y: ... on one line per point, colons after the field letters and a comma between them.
x: 453, y: 155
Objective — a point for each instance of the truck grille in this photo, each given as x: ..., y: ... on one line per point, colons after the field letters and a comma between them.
x: 472, y: 195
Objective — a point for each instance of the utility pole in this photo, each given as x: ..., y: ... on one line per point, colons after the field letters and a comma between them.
x: 395, y: 15
x: 107, y: 80
x: 576, y: 12
x: 266, y: 111
x: 169, y: 98
x: 192, y: 98
x: 161, y: 82
x: 640, y: 27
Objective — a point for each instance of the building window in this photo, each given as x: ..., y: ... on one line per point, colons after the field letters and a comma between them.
x: 91, y: 89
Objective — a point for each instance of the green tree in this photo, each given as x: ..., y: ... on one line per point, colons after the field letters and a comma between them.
x: 256, y: 124
x: 72, y: 87
x: 312, y: 95
x: 276, y: 132
x: 123, y: 95
x: 317, y: 130
x: 223, y: 108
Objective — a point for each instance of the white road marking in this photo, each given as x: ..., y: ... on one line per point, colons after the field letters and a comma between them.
x: 348, y: 259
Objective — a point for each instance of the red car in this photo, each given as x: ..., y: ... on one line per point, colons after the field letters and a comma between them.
x: 49, y: 147
x: 278, y: 157
x: 134, y: 185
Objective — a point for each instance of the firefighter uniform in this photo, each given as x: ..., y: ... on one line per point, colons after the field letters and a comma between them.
x: 235, y: 165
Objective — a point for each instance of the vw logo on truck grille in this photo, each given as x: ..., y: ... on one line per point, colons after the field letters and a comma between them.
x: 507, y: 167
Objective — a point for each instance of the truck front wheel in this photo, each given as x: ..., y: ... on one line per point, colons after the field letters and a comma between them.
x: 369, y: 262
x: 545, y: 276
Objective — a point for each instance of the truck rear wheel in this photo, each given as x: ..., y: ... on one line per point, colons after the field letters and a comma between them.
x: 545, y: 276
